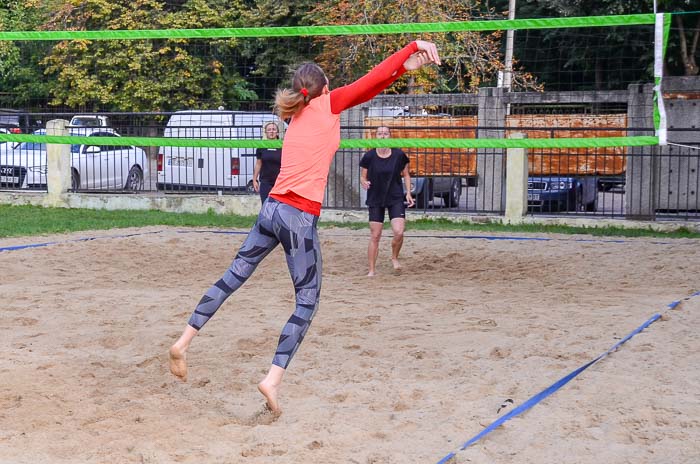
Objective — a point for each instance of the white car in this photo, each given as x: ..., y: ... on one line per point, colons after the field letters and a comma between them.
x: 212, y: 169
x: 111, y: 167
x: 89, y: 120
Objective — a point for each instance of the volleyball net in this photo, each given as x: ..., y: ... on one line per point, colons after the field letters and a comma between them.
x: 564, y: 82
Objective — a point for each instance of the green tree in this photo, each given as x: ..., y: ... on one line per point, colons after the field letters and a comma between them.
x: 601, y: 58
x: 21, y: 82
x: 270, y: 61
x: 145, y: 75
x: 470, y: 59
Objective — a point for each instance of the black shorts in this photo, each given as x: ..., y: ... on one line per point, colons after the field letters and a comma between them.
x: 376, y: 213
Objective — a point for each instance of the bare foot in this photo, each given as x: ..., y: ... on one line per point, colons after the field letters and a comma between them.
x: 397, y: 265
x: 269, y: 391
x: 178, y: 363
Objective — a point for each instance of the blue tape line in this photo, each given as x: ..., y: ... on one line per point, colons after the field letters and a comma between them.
x: 85, y: 239
x: 464, y: 237
x: 536, y: 239
x: 558, y: 384
x: 225, y: 232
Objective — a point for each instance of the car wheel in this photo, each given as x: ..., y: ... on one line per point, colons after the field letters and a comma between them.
x: 134, y: 180
x: 421, y: 201
x: 592, y: 206
x: 452, y: 198
x: 74, y: 180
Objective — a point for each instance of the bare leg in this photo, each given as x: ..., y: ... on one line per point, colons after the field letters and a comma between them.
x: 397, y: 226
x: 375, y: 229
x: 178, y: 353
x: 270, y: 386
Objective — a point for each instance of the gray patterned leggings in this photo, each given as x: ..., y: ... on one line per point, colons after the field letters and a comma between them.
x: 296, y: 231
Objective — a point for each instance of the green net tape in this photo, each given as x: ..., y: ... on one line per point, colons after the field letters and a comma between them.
x: 583, y: 142
x: 405, y: 28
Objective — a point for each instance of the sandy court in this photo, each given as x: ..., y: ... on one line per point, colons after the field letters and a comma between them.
x: 395, y: 369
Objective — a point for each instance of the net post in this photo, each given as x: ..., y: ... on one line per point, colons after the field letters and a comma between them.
x: 659, y: 109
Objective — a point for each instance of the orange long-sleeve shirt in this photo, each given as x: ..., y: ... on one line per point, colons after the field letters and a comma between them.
x: 313, y: 135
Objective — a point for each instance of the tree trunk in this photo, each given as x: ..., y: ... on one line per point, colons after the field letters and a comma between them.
x: 688, y: 55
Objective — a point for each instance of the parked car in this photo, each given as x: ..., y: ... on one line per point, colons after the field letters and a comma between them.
x: 425, y: 189
x: 194, y: 168
x: 553, y: 193
x: 89, y: 120
x: 9, y: 121
x: 92, y: 166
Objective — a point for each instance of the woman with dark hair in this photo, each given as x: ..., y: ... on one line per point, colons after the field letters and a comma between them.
x: 382, y: 172
x: 290, y: 214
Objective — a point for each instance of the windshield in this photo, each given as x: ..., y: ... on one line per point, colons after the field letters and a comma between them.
x: 86, y: 122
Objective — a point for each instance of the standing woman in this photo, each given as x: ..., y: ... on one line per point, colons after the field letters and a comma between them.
x: 290, y: 214
x: 267, y: 165
x: 382, y: 171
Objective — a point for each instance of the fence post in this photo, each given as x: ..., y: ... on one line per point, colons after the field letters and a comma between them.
x: 58, y: 163
x: 516, y: 182
x: 490, y: 163
x: 641, y: 187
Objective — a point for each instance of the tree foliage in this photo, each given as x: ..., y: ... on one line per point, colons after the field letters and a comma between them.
x: 144, y: 75
x: 21, y: 79
x: 151, y: 75
x: 614, y: 56
x: 271, y: 60
x: 470, y: 59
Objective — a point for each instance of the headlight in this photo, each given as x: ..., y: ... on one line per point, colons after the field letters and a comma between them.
x: 38, y: 169
x: 561, y: 185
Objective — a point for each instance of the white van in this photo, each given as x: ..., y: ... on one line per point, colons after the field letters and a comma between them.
x: 211, y: 169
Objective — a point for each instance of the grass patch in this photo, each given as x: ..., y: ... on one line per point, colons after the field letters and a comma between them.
x: 36, y: 220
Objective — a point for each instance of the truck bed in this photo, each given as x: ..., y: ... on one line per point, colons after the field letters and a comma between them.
x: 542, y: 162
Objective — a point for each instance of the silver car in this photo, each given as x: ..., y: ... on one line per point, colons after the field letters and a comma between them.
x: 93, y: 167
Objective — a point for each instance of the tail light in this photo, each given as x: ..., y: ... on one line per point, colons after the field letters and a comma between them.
x: 15, y: 130
x: 160, y: 161
x: 235, y: 166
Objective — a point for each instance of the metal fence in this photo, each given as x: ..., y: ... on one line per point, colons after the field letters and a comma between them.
x: 618, y: 182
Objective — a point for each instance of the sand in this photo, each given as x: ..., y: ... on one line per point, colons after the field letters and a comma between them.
x: 395, y: 369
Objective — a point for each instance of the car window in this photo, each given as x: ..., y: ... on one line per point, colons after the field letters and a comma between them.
x: 87, y: 122
x: 32, y: 146
x: 109, y: 147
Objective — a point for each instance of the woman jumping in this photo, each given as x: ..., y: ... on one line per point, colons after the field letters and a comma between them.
x: 290, y: 214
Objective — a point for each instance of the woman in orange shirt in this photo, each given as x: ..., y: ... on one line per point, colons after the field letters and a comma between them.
x: 290, y: 214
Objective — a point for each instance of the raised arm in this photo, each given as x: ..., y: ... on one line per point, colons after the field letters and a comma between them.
x: 412, y: 56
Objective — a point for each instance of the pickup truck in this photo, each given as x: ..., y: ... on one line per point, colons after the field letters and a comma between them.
x: 435, y: 173
x: 559, y: 179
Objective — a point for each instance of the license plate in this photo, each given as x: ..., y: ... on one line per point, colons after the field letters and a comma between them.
x: 9, y: 179
x: 181, y: 162
x: 533, y: 197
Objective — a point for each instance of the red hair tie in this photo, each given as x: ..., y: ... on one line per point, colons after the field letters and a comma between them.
x: 304, y: 92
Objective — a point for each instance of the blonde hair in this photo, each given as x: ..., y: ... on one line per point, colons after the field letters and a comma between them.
x: 289, y: 102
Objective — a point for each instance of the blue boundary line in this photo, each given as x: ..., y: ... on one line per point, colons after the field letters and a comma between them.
x: 84, y: 239
x: 532, y: 401
x: 463, y: 237
x: 231, y: 232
